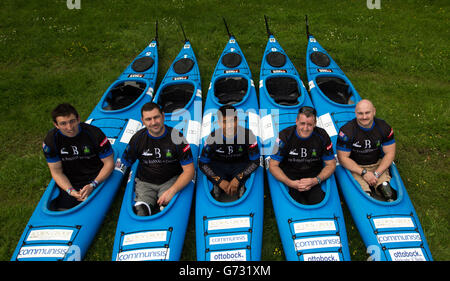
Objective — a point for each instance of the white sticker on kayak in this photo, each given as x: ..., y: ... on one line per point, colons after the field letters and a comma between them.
x: 398, y: 237
x: 217, y: 240
x: 50, y: 234
x: 313, y: 226
x: 238, y: 255
x: 193, y: 132
x: 311, y: 84
x: 267, y: 128
x: 144, y: 255
x: 325, y: 122
x: 206, y: 125
x: 413, y: 254
x: 42, y: 252
x: 144, y: 237
x: 150, y: 92
x: 399, y: 222
x: 321, y: 257
x: 253, y: 123
x: 220, y: 224
x: 132, y: 127
x: 317, y: 243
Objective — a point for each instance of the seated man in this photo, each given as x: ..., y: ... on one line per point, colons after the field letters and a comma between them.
x: 78, y: 155
x: 299, y: 157
x: 165, y: 161
x: 360, y: 147
x: 230, y: 155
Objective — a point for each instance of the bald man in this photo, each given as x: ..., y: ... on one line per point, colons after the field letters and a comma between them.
x: 366, y: 147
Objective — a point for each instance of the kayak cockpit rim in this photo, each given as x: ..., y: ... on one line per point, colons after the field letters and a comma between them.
x: 146, y: 91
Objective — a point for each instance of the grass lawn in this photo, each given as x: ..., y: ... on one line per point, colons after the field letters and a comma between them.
x: 397, y: 56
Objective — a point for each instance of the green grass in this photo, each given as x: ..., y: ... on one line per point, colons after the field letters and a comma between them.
x: 396, y: 56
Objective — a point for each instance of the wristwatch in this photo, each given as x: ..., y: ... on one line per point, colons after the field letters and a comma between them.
x: 318, y: 180
x: 364, y: 171
x: 377, y: 175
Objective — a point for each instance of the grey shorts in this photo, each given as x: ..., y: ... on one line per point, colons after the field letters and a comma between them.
x: 148, y: 192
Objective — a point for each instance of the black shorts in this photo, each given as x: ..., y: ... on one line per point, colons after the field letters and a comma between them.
x: 64, y: 201
x: 310, y: 197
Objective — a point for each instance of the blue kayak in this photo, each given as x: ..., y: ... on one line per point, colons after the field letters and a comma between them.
x: 161, y: 235
x: 391, y: 231
x: 308, y: 232
x: 66, y: 235
x: 230, y: 230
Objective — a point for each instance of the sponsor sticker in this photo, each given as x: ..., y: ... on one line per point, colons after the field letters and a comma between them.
x: 193, y: 132
x: 398, y: 222
x: 216, y: 240
x: 398, y: 237
x: 43, y: 252
x: 238, y: 255
x: 317, y: 243
x: 132, y: 127
x: 144, y: 237
x: 313, y: 226
x: 321, y: 257
x: 413, y: 254
x: 144, y: 255
x: 325, y: 122
x: 253, y: 123
x: 220, y: 224
x: 267, y: 128
x: 50, y: 234
x: 206, y: 125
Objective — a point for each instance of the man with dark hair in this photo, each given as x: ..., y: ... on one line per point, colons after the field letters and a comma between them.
x: 165, y: 165
x: 78, y: 155
x: 230, y: 155
x: 366, y: 147
x: 299, y: 156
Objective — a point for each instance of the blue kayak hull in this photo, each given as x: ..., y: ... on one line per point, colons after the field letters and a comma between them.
x: 308, y: 232
x: 67, y: 235
x: 391, y: 231
x: 161, y: 235
x: 231, y: 230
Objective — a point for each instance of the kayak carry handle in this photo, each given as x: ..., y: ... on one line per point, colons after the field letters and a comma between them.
x: 267, y: 26
x: 156, y: 33
x: 184, y: 34
x: 226, y: 26
x: 307, y: 27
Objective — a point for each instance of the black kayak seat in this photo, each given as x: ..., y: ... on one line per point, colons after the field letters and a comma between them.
x: 336, y: 89
x: 320, y: 59
x: 183, y: 66
x: 276, y: 59
x: 231, y: 60
x: 231, y: 89
x: 142, y: 64
x: 175, y: 96
x: 283, y: 90
x: 124, y: 94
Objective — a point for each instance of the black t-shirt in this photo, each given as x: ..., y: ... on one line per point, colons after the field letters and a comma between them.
x: 302, y: 157
x: 365, y: 144
x: 160, y: 158
x: 80, y: 155
x: 243, y: 148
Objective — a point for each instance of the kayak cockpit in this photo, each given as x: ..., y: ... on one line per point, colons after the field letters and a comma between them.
x: 336, y: 89
x: 175, y: 96
x: 230, y: 89
x: 283, y: 90
x: 123, y: 94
